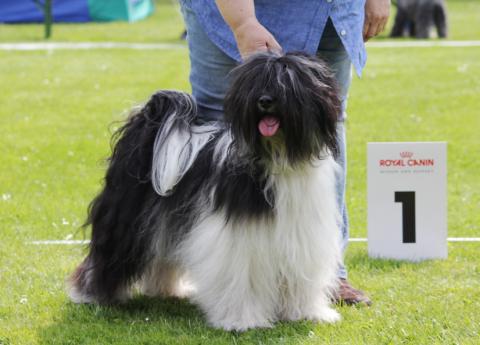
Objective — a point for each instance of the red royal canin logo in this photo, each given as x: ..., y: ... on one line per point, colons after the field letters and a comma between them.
x: 406, y: 160
x: 406, y: 154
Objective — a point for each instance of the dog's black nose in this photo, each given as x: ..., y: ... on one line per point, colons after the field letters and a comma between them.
x: 266, y: 103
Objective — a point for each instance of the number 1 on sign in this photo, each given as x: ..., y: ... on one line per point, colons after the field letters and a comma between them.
x: 408, y: 215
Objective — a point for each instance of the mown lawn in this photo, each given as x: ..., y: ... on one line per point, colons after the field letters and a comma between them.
x: 165, y: 25
x: 57, y: 110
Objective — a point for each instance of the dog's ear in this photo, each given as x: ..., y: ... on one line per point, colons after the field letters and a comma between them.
x: 176, y: 148
x: 249, y: 78
x: 326, y: 97
x: 331, y: 110
x: 177, y: 141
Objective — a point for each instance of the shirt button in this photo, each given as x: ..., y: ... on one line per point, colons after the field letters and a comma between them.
x: 343, y: 32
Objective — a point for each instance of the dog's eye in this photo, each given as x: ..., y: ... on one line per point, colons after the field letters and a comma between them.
x: 284, y: 67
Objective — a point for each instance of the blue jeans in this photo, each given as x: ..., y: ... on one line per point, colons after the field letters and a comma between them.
x: 209, y: 67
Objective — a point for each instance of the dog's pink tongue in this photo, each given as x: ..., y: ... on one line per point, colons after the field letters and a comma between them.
x: 268, y: 126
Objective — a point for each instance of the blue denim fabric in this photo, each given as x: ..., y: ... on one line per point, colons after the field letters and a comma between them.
x: 296, y: 24
x: 332, y: 51
x: 209, y: 80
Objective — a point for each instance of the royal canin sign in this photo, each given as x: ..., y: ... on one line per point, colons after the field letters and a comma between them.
x: 406, y: 160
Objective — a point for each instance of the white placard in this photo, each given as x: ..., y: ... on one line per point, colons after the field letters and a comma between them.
x: 407, y: 200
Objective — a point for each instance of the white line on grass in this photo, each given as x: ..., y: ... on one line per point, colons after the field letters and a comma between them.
x: 68, y: 242
x: 26, y: 46
x: 422, y: 44
x: 359, y: 239
x: 89, y: 46
x: 464, y: 239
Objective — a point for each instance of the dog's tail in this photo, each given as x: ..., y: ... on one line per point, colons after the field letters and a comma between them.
x: 139, y: 173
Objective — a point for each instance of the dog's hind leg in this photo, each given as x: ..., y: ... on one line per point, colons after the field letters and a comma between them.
x: 163, y: 278
x: 85, y: 286
x: 122, y: 214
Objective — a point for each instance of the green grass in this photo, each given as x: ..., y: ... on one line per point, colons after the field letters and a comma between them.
x: 435, y: 302
x: 165, y: 25
x: 57, y: 110
x: 426, y: 94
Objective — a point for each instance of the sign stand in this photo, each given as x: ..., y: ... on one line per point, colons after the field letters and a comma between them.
x: 407, y: 200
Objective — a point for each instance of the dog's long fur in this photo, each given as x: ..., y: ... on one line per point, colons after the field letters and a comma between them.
x: 246, y: 225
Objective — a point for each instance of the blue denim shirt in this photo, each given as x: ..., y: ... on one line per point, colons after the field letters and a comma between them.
x: 297, y: 25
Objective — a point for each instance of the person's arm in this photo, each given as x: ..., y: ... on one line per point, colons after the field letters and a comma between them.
x: 376, y: 17
x: 251, y: 36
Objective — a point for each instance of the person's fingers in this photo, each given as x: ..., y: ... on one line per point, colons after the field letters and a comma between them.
x: 251, y: 48
x: 366, y: 28
x: 384, y: 24
x: 381, y: 26
x: 253, y: 37
x: 376, y: 17
x: 262, y: 47
x: 273, y: 45
x: 372, y: 30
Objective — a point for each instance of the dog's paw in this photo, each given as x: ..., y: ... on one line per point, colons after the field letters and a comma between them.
x: 185, y: 289
x: 241, y: 325
x: 325, y: 314
x: 179, y: 289
x: 78, y: 297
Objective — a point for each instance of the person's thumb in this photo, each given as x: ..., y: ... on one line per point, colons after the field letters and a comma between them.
x: 273, y: 45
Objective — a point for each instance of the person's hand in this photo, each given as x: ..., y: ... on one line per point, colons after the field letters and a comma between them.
x: 376, y: 17
x: 252, y: 37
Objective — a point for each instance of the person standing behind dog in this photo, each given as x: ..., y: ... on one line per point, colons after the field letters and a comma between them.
x: 220, y: 33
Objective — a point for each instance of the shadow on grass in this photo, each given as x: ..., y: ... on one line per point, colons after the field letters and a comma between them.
x: 156, y: 321
x: 360, y: 261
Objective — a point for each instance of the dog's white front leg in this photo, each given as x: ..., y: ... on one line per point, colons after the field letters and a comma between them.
x: 308, y: 299
x: 230, y: 268
x: 319, y: 309
x: 235, y: 308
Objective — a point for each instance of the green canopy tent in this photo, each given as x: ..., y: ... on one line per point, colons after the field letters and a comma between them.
x: 74, y: 11
x: 129, y: 10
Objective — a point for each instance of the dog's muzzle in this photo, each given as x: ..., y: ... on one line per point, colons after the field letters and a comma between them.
x: 269, y: 123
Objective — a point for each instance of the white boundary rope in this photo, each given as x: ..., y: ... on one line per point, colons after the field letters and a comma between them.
x: 29, y: 46
x: 89, y: 46
x: 61, y: 242
x: 358, y: 239
x: 422, y: 44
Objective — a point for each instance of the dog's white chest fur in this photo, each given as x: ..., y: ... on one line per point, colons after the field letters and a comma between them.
x: 251, y: 273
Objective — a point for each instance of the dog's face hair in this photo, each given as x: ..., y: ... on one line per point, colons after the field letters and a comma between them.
x: 287, y: 101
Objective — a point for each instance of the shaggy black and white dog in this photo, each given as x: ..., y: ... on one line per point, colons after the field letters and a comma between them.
x: 241, y: 216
